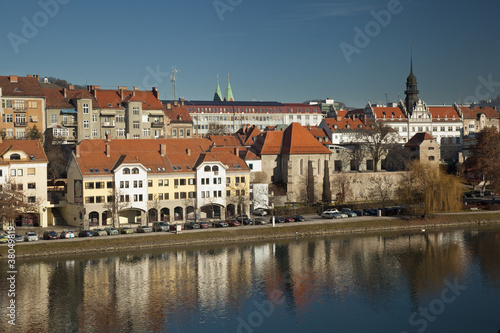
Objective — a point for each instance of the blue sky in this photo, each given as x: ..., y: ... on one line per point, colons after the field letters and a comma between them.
x: 287, y: 51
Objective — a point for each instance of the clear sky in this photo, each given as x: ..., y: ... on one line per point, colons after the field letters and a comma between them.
x: 274, y: 50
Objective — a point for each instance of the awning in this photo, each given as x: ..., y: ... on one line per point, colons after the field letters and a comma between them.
x: 71, y: 111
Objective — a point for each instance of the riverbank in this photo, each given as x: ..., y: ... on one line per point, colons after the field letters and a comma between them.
x: 248, y: 234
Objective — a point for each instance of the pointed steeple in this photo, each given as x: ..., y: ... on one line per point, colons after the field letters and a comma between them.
x: 411, y: 91
x: 229, y: 92
x: 218, y: 94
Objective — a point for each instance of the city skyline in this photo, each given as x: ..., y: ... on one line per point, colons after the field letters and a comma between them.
x: 281, y: 51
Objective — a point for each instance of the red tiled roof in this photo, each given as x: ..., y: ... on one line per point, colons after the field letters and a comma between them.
x: 233, y: 162
x: 30, y: 147
x: 54, y: 99
x: 178, y: 114
x: 418, y: 138
x: 82, y: 94
x: 268, y: 143
x: 248, y: 134
x: 297, y: 140
x: 387, y: 112
x: 25, y: 86
x: 319, y: 133
x: 225, y: 140
x: 346, y: 123
x: 472, y: 112
x: 443, y: 112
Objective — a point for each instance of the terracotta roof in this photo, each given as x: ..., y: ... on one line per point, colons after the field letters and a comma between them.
x: 20, y: 86
x: 319, y: 133
x: 387, y: 112
x: 233, y: 162
x: 473, y: 111
x: 225, y: 140
x: 148, y: 98
x: 180, y: 154
x: 54, y: 99
x: 443, y: 112
x: 247, y: 134
x: 418, y: 138
x: 82, y: 94
x: 248, y: 155
x: 268, y: 143
x: 346, y: 124
x: 178, y: 114
x: 297, y: 140
x: 29, y: 147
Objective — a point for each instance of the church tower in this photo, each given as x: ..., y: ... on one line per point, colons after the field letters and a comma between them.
x: 229, y: 92
x: 411, y: 91
x: 218, y: 94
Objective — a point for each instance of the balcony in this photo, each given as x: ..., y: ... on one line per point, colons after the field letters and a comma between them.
x: 20, y: 124
x: 108, y: 124
x: 19, y: 109
x: 69, y: 123
x: 157, y: 124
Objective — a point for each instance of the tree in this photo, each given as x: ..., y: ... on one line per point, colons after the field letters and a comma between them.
x: 397, y: 158
x: 327, y: 190
x: 376, y: 141
x: 34, y: 133
x: 55, y: 152
x: 357, y: 154
x: 485, y: 159
x: 115, y: 204
x: 14, y: 202
x: 216, y: 129
x: 426, y: 188
x: 342, y: 186
x: 381, y: 187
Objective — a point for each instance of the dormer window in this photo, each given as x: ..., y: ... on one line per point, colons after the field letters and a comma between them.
x: 126, y: 171
x: 15, y: 157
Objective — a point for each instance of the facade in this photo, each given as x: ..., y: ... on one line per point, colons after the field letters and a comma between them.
x: 163, y: 179
x: 22, y: 107
x: 476, y: 118
x: 24, y: 163
x: 179, y: 122
x: 423, y: 147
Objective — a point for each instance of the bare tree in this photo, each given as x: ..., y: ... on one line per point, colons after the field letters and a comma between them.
x: 115, y: 204
x: 397, y: 158
x: 240, y: 199
x: 485, y: 159
x: 327, y: 190
x: 342, y: 186
x: 54, y: 150
x: 376, y: 141
x: 217, y: 129
x: 381, y: 187
x: 14, y: 202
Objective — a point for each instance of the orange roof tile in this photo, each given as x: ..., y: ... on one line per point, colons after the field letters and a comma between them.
x: 346, y: 123
x: 20, y: 86
x: 268, y: 143
x: 472, y: 112
x: 418, y: 138
x: 443, y: 112
x: 297, y: 140
x: 389, y: 112
x: 54, y: 99
x: 225, y: 140
x: 178, y: 114
x: 30, y: 147
x: 233, y: 162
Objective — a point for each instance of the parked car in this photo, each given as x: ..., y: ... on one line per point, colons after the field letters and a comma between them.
x: 18, y: 238
x: 66, y: 234
x: 30, y: 236
x: 221, y: 224
x: 144, y: 229
x: 99, y: 232
x: 111, y: 231
x: 233, y: 223
x: 241, y: 217
x: 85, y: 233
x: 260, y: 221
x: 360, y: 212
x: 349, y: 212
x: 160, y: 226
x: 50, y: 234
x: 173, y: 227
x: 192, y: 226
x: 246, y: 221
x: 277, y: 219
x: 4, y: 238
x: 289, y: 219
x: 205, y: 225
x: 260, y: 212
x: 299, y: 218
x: 331, y: 215
x: 126, y: 230
x: 331, y: 210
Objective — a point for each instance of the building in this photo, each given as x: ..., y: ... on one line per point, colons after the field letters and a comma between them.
x: 423, y: 147
x: 154, y: 179
x: 23, y: 163
x: 476, y: 118
x: 23, y: 106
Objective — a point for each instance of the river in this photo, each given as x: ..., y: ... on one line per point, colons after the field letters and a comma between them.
x: 446, y: 281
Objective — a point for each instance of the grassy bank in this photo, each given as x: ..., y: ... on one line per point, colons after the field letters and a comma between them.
x: 242, y: 234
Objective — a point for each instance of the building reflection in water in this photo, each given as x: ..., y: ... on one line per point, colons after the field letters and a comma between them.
x: 154, y: 291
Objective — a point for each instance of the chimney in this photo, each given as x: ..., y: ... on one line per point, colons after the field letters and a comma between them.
x: 237, y: 152
x: 136, y: 88
x: 108, y: 149
x: 182, y: 101
x: 13, y: 79
x: 71, y: 87
x: 339, y: 117
x: 77, y: 152
x: 163, y: 149
x: 155, y: 92
x: 188, y: 152
x: 108, y: 137
x: 64, y: 92
x: 121, y: 92
x: 169, y: 106
x: 176, y: 103
x: 36, y: 76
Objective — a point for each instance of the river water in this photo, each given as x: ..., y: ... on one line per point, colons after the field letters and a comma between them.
x: 416, y: 282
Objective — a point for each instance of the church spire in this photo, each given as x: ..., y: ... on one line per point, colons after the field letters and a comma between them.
x: 229, y: 92
x: 218, y: 94
x: 411, y: 91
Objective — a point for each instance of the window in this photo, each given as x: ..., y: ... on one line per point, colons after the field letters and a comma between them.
x: 120, y: 132
x: 237, y: 193
x: 181, y: 133
x: 431, y: 148
x: 176, y: 182
x: 174, y: 133
x: 53, y: 118
x: 150, y: 196
x: 188, y: 133
x: 99, y: 199
x: 126, y: 171
x: 183, y: 195
x: 99, y: 184
x: 146, y: 132
x: 135, y: 125
x: 165, y: 182
x: 192, y: 195
x: 109, y: 184
x: 86, y: 124
x: 250, y: 166
x: 137, y: 136
x: 431, y: 158
x: 85, y: 108
x: 160, y: 196
x: 150, y: 183
x: 182, y: 182
x: 135, y: 171
x: 89, y: 200
x: 242, y: 179
x: 122, y: 184
x: 228, y: 193
x: 94, y: 132
x: 135, y: 183
x: 32, y: 104
x: 110, y: 198
x: 228, y: 180
x: 135, y: 110
x: 176, y: 195
x: 166, y: 196
x: 12, y: 172
x: 160, y: 182
x: 31, y: 186
x: 94, y: 118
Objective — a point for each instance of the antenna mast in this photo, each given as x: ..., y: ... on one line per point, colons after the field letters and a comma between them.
x: 172, y: 79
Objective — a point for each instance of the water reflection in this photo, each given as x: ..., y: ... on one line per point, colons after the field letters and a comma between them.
x: 207, y: 289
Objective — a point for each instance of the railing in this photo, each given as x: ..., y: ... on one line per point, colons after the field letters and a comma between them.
x: 19, y: 109
x: 69, y: 123
x: 20, y: 124
x: 157, y: 124
x: 109, y: 124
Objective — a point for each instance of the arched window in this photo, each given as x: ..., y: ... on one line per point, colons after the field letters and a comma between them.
x: 135, y: 171
x: 15, y: 157
x: 126, y: 171
x: 207, y: 168
x: 215, y: 168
